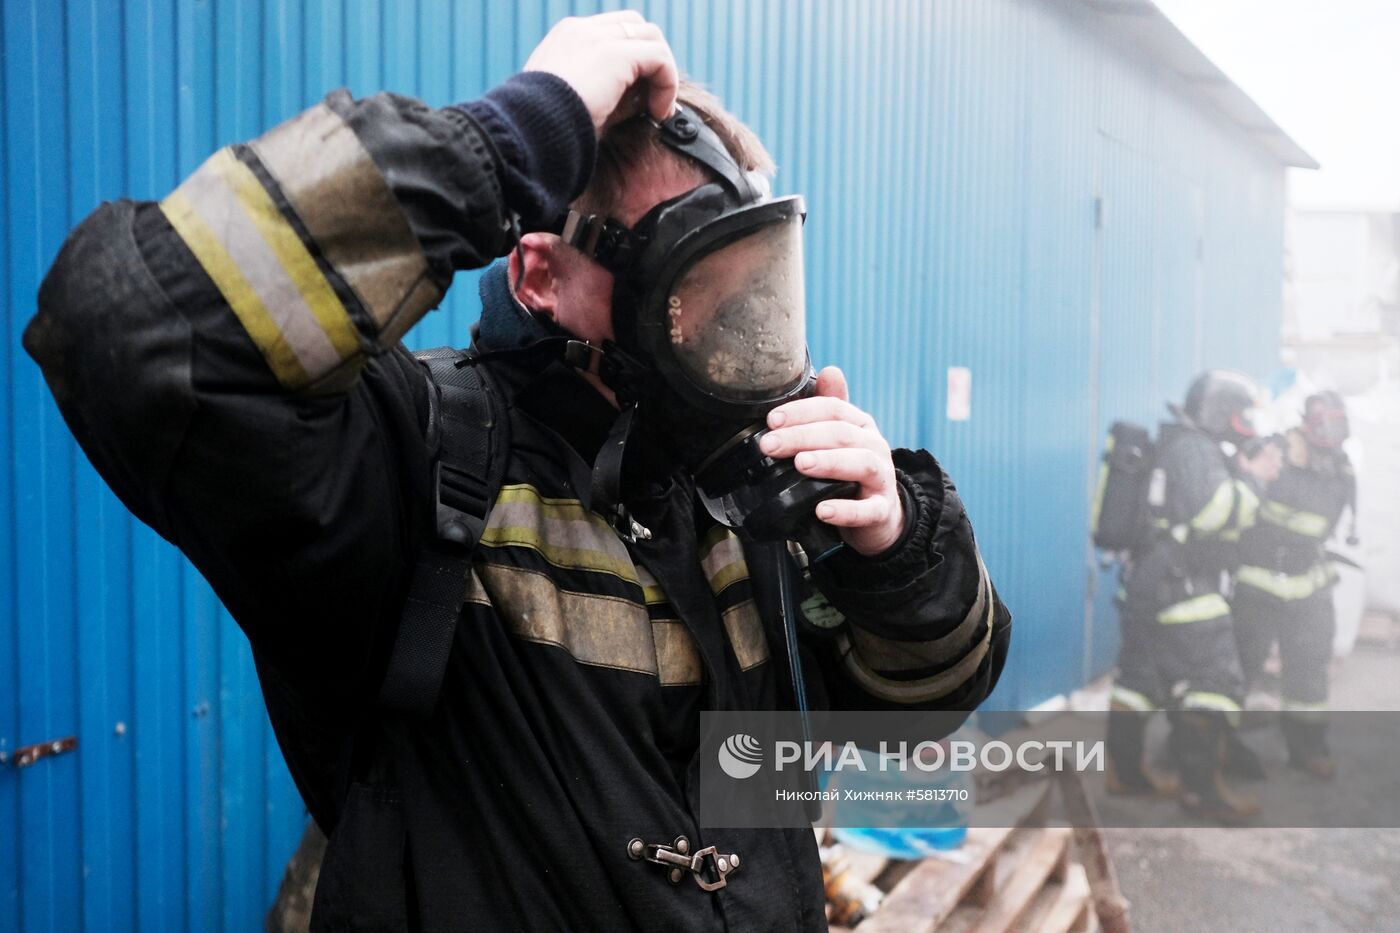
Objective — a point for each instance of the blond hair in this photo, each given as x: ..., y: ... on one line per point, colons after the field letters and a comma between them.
x: 634, y: 146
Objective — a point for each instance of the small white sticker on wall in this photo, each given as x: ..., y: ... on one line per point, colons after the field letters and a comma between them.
x: 959, y: 393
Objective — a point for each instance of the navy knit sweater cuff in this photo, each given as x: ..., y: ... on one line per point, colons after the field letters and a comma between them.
x: 544, y: 135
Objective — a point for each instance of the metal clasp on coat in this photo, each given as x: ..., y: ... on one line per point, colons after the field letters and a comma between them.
x: 708, y: 867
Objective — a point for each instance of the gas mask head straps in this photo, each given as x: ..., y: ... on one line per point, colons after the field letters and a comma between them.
x: 614, y: 245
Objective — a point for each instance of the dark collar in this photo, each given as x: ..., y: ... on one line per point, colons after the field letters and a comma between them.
x: 542, y: 386
x: 560, y: 399
x: 554, y: 393
x: 504, y: 323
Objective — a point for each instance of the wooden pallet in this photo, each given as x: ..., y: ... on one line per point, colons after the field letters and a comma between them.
x: 1000, y: 880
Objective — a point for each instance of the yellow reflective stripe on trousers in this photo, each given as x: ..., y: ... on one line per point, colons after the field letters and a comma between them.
x: 1214, y: 702
x: 1304, y: 710
x: 263, y: 270
x: 1298, y: 521
x: 1217, y: 511
x: 1284, y: 586
x: 1197, y: 609
x: 1123, y: 696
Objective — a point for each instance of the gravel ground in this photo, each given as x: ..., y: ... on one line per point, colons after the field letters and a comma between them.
x: 1274, y: 880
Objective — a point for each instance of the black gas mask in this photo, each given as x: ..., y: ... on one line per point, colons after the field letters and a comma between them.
x: 1325, y: 421
x: 710, y: 321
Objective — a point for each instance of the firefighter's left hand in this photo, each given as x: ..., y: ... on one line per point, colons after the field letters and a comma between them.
x: 829, y: 438
x: 1266, y: 464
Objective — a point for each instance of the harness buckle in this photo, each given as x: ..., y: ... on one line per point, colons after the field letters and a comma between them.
x: 708, y: 867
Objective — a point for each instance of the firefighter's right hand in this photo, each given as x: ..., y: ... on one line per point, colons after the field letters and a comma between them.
x: 618, y: 63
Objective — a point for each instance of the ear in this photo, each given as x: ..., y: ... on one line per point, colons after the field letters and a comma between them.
x: 536, y: 284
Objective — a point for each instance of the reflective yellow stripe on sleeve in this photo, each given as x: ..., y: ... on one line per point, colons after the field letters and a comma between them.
x: 349, y: 210
x: 240, y: 294
x: 263, y: 270
x: 1101, y: 487
x: 291, y: 253
x: 886, y: 655
x: 1248, y: 512
x: 922, y: 690
x: 1217, y: 511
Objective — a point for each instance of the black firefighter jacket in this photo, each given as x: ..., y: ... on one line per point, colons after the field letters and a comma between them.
x: 229, y: 360
x: 1198, y: 516
x: 1283, y: 558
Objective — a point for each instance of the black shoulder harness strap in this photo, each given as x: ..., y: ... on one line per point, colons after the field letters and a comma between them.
x: 469, y: 436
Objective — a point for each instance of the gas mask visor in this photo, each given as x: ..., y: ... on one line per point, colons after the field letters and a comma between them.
x: 725, y: 318
x: 1326, y: 427
x: 725, y: 324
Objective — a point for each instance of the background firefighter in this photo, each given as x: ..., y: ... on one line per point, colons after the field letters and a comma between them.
x: 1178, y: 649
x: 1284, y: 586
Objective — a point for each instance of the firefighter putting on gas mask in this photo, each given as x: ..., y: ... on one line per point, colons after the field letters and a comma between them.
x: 1175, y: 511
x: 709, y: 337
x: 489, y: 591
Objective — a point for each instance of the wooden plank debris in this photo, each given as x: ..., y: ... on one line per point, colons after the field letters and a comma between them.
x: 1023, y: 878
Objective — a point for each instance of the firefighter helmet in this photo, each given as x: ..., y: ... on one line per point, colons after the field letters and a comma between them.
x: 1220, y: 402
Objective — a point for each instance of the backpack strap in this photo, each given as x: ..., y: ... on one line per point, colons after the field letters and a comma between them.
x: 469, y: 436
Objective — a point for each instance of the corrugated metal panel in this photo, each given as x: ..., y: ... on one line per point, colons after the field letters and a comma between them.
x: 992, y: 184
x: 1056, y: 353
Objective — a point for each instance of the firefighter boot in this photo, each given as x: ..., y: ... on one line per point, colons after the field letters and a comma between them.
x: 1241, y: 761
x: 1128, y: 773
x: 1307, y: 746
x: 1198, y: 744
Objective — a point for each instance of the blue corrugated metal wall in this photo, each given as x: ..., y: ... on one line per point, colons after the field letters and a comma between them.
x: 991, y: 185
